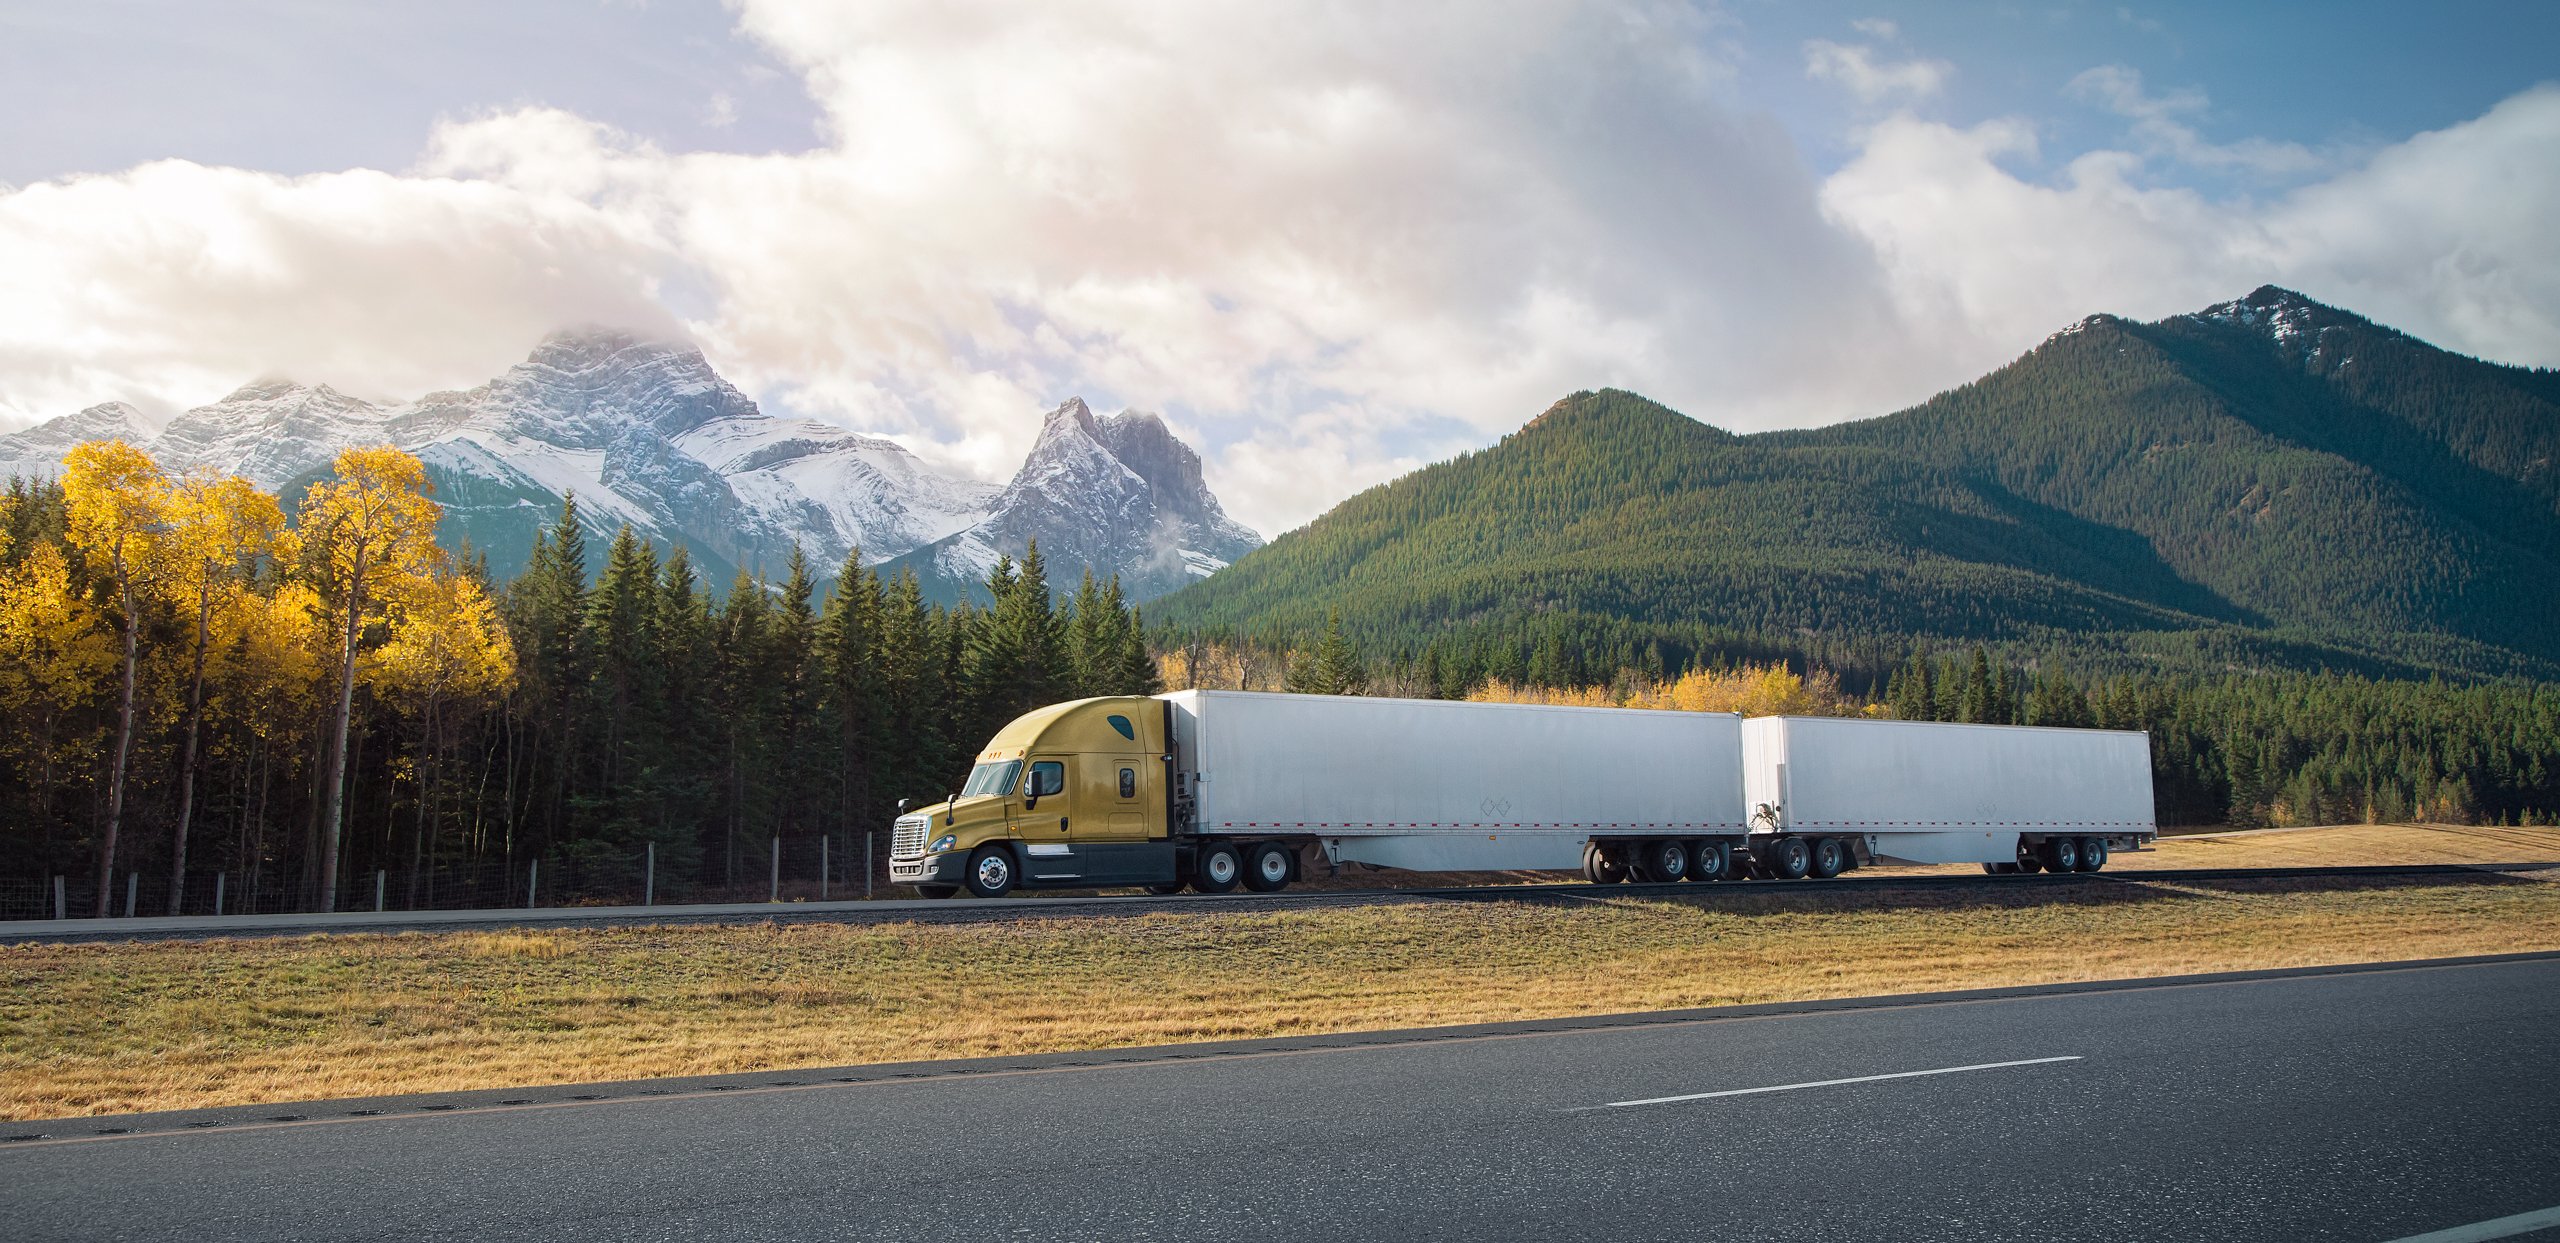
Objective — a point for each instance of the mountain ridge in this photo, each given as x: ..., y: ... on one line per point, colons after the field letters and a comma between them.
x: 2267, y: 481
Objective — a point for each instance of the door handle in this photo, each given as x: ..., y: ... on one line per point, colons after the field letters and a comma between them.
x: 1062, y: 824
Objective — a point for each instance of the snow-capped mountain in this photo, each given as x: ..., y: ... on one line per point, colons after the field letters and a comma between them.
x: 1118, y: 494
x: 36, y: 453
x: 648, y: 434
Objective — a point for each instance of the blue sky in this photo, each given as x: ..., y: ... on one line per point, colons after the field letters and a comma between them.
x: 1329, y: 241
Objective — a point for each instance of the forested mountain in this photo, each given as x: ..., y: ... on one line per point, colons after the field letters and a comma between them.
x: 2267, y: 482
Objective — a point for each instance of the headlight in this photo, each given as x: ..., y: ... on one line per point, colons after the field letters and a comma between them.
x: 943, y: 843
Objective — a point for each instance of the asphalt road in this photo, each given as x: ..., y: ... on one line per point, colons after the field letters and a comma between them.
x: 1026, y: 905
x: 2353, y: 1104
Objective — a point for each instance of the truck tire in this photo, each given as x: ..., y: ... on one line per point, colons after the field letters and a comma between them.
x: 1787, y: 858
x: 1999, y: 869
x: 2028, y: 862
x: 1830, y: 858
x: 937, y: 891
x: 2093, y: 853
x: 1266, y: 868
x: 1662, y: 862
x: 991, y: 872
x: 1603, y: 865
x: 1709, y: 860
x: 1165, y: 889
x: 1217, y: 869
x: 2061, y: 854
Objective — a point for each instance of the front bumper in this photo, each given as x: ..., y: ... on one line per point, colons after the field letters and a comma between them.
x: 943, y: 869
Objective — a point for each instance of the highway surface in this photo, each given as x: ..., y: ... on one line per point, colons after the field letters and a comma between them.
x: 965, y: 910
x: 2352, y: 1104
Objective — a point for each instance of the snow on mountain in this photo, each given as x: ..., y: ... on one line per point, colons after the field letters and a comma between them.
x: 1120, y: 494
x: 270, y: 432
x: 36, y: 452
x: 648, y: 434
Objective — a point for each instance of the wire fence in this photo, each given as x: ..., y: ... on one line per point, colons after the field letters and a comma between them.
x: 833, y: 867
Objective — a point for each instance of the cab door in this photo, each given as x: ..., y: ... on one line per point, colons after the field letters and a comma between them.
x: 1115, y: 839
x: 1043, y: 816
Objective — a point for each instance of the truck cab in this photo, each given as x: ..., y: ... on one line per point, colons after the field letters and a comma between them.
x: 1072, y: 796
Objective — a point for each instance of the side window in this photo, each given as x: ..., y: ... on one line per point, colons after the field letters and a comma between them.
x: 1121, y: 723
x: 1128, y: 783
x: 1048, y: 777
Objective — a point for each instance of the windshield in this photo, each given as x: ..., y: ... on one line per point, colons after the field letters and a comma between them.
x: 993, y: 778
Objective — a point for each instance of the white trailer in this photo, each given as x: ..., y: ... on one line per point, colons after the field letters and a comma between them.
x: 1436, y: 785
x: 2009, y: 797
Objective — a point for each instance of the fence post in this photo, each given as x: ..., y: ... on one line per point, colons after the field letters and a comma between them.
x: 217, y: 891
x: 132, y: 889
x: 532, y: 883
x: 866, y: 862
x: 823, y: 839
x: 649, y: 878
x: 59, y: 910
x: 378, y: 874
x: 776, y: 894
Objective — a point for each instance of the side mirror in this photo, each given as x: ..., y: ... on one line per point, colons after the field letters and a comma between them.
x: 1030, y: 795
x: 905, y: 805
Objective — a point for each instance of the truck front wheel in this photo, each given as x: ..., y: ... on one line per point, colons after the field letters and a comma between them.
x: 937, y: 891
x: 990, y: 872
x: 1266, y: 868
x: 1217, y: 870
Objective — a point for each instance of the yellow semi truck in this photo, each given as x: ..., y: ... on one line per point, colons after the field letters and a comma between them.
x: 1219, y: 789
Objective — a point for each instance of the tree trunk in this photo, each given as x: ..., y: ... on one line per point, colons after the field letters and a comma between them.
x: 333, y: 805
x: 187, y: 759
x: 124, y: 749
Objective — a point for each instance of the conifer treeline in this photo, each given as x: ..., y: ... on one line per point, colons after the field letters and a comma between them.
x: 600, y: 707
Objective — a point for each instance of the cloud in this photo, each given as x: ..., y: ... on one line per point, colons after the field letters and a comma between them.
x: 2160, y: 124
x: 1328, y: 242
x: 2445, y: 235
x: 1854, y: 65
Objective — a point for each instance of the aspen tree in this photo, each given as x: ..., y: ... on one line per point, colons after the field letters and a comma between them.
x: 364, y: 533
x: 117, y: 501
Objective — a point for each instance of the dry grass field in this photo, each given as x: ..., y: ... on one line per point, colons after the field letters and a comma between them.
x: 114, y: 1028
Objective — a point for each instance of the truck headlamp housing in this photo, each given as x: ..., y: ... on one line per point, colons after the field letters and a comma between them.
x: 943, y: 843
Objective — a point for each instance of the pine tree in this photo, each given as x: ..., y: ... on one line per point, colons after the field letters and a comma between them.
x: 1332, y: 667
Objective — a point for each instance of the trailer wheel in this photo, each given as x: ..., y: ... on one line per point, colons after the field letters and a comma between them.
x: 1661, y: 862
x: 1217, y: 870
x: 1787, y: 858
x: 1266, y: 868
x: 1602, y: 865
x: 1709, y: 860
x: 937, y: 891
x: 1830, y: 858
x: 2061, y: 854
x: 2093, y: 853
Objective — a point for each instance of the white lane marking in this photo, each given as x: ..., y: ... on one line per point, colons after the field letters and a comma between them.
x: 2504, y: 1227
x: 1833, y: 1083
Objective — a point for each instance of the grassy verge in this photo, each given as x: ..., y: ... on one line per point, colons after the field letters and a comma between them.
x: 114, y: 1028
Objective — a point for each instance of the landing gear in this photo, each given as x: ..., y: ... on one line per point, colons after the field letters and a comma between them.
x: 1267, y: 867
x: 1710, y: 860
x: 1217, y: 870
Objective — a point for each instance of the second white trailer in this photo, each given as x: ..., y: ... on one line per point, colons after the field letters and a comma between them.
x: 1933, y: 792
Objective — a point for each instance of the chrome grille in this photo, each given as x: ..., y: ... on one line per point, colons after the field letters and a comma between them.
x: 907, y: 840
